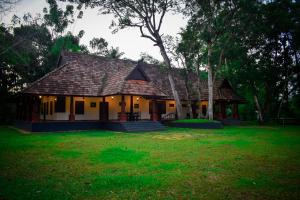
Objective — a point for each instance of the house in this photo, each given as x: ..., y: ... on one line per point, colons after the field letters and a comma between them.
x: 93, y: 88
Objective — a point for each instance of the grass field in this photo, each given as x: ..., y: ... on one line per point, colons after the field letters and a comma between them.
x: 233, y: 163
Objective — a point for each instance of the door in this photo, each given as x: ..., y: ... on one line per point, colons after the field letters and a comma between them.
x: 161, y: 108
x: 204, y: 110
x: 103, y: 111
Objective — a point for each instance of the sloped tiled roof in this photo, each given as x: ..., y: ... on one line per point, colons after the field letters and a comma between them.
x: 88, y: 75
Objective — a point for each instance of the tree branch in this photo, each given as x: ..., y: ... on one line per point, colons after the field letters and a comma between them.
x: 147, y: 36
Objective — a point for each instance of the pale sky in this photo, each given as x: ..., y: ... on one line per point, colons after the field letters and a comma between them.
x: 96, y: 25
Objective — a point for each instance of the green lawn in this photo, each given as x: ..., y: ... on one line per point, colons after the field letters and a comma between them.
x: 233, y: 163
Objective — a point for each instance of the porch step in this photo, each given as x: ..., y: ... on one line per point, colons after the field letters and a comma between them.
x: 137, y: 126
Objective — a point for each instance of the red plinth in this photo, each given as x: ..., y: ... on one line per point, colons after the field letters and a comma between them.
x: 35, y: 117
x: 154, y: 117
x: 123, y: 117
x: 71, y: 117
x: 235, y: 116
x: 220, y: 116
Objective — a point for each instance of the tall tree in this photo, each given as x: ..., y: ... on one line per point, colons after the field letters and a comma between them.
x: 191, y: 47
x: 175, y: 50
x: 263, y: 62
x: 210, y: 19
x: 100, y: 47
x: 114, y: 53
x: 56, y: 18
x: 7, y: 5
x: 148, y: 17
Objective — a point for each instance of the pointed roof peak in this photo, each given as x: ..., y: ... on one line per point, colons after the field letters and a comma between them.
x: 138, y: 73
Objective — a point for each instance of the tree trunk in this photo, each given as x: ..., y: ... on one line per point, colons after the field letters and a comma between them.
x: 267, y: 103
x: 187, y: 91
x: 171, y: 79
x: 210, y: 84
x: 199, y: 91
x: 259, y: 111
x: 188, y: 100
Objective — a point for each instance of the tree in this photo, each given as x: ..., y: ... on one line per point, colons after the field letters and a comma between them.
x: 263, y: 58
x: 148, y: 17
x: 191, y: 47
x: 58, y: 19
x: 149, y: 59
x: 7, y: 5
x: 99, y: 46
x: 174, y: 49
x: 211, y: 19
x: 114, y: 53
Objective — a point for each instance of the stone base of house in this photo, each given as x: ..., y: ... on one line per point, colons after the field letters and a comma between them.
x: 206, y: 125
x: 58, y: 126
x: 229, y: 121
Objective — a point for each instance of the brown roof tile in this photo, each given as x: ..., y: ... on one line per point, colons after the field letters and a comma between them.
x: 89, y: 75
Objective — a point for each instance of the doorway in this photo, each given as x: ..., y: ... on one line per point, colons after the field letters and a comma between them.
x: 103, y: 111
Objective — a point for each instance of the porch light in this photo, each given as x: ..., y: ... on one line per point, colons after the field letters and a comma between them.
x: 137, y: 98
x: 55, y: 99
x: 40, y: 96
x: 112, y: 97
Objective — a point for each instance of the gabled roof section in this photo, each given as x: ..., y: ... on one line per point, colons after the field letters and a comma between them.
x: 138, y: 73
x: 89, y: 75
x: 84, y: 75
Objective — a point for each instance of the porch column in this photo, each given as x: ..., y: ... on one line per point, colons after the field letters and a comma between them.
x: 27, y: 108
x: 71, y: 116
x: 123, y: 116
x: 154, y: 115
x: 223, y: 110
x: 235, y: 111
x: 131, y: 108
x: 35, y: 111
x: 24, y: 108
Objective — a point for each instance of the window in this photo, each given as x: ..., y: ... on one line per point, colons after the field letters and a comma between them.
x: 204, y: 110
x: 93, y: 105
x: 184, y: 105
x: 171, y: 105
x: 161, y: 106
x: 60, y: 104
x: 79, y: 107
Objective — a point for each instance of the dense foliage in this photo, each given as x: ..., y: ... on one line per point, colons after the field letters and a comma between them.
x: 255, y: 45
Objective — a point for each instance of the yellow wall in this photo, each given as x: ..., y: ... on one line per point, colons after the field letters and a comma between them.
x: 55, y: 116
x: 92, y: 113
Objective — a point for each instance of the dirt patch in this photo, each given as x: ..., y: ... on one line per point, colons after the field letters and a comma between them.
x: 173, y: 137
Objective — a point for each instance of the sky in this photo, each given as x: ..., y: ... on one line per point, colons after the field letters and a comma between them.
x: 95, y: 25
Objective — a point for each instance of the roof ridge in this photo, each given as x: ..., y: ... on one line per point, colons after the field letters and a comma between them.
x: 47, y: 75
